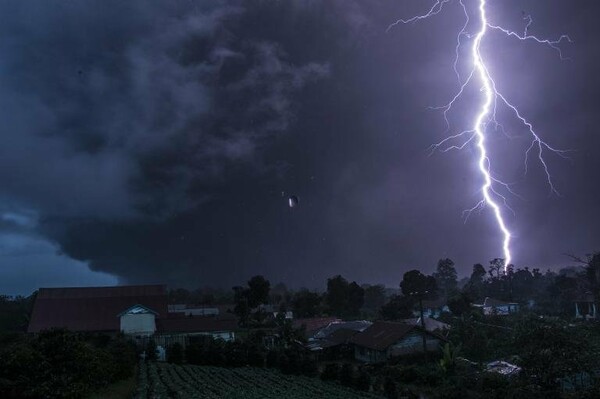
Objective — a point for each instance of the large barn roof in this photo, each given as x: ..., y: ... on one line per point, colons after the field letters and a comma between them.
x: 92, y: 308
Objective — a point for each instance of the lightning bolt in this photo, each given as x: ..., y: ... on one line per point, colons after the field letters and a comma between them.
x: 479, y: 74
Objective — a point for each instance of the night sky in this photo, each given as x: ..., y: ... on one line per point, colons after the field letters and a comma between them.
x: 158, y: 142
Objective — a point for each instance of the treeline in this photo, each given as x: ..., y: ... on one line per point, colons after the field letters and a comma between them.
x: 61, y: 364
x: 549, y: 292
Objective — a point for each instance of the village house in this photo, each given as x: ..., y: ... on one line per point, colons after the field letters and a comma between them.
x: 384, y: 340
x: 431, y: 325
x: 140, y: 312
x: 432, y: 308
x: 585, y: 307
x: 495, y: 307
x: 333, y: 341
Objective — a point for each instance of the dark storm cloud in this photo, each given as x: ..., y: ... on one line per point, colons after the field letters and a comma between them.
x: 159, y: 141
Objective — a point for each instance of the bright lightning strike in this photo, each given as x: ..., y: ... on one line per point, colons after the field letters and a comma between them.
x: 479, y: 74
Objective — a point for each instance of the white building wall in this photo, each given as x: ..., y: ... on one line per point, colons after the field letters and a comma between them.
x: 138, y: 324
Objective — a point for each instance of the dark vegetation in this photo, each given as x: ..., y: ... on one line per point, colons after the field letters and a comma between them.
x: 60, y: 364
x: 559, y: 354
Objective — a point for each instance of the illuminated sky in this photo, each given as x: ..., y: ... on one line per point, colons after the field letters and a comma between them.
x: 152, y: 142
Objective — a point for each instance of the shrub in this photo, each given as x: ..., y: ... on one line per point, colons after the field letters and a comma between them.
x: 272, y: 359
x: 151, y: 350
x: 347, y: 375
x: 363, y: 381
x: 331, y: 372
x: 175, y: 353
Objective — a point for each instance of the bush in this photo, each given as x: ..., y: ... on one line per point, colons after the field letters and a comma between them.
x: 256, y: 356
x: 175, y: 353
x: 59, y: 364
x: 390, y: 388
x: 363, y: 381
x: 151, y: 350
x: 272, y: 359
x: 124, y: 357
x: 347, y: 375
x: 331, y: 372
x: 309, y: 367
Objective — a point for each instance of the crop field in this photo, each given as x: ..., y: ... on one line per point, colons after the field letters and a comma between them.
x: 162, y: 381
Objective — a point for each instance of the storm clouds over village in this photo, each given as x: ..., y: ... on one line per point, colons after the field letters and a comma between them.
x: 301, y: 199
x: 160, y: 142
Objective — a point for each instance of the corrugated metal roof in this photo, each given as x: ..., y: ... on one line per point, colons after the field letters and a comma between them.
x: 195, y: 324
x: 381, y: 335
x: 92, y: 308
x: 356, y: 325
x: 314, y: 323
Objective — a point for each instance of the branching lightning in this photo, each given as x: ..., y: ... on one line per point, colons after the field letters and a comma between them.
x: 479, y: 74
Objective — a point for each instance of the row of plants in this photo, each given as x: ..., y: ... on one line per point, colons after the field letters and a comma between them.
x: 163, y: 380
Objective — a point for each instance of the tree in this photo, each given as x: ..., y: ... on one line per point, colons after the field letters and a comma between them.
x: 459, y: 304
x: 417, y: 285
x: 374, y: 297
x: 356, y: 299
x: 258, y: 291
x: 306, y: 303
x: 496, y: 267
x: 175, y: 353
x: 445, y: 276
x: 249, y: 298
x: 399, y: 307
x: 337, y: 295
x: 151, y: 350
x: 242, y: 306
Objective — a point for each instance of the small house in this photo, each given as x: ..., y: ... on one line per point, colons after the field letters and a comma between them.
x: 432, y: 308
x: 495, y: 307
x: 138, y: 320
x: 585, y: 307
x: 384, y: 340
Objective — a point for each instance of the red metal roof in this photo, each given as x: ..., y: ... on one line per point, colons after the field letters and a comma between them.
x: 381, y: 335
x: 92, y: 308
x: 195, y: 324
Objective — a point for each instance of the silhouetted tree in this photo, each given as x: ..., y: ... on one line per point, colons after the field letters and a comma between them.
x: 399, y: 307
x: 374, y: 297
x: 417, y: 285
x: 459, y: 304
x: 356, y: 299
x: 306, y: 303
x: 342, y: 298
x: 258, y: 291
x: 445, y: 276
x: 337, y: 294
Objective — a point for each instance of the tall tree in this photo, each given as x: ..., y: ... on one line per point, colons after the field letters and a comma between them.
x: 399, y: 307
x: 474, y: 287
x: 258, y: 291
x: 417, y: 285
x: 343, y: 298
x: 445, y: 276
x: 496, y: 267
x: 306, y: 303
x: 374, y: 297
x: 356, y: 299
x: 337, y: 295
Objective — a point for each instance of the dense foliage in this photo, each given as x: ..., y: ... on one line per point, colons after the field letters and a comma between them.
x: 59, y: 364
